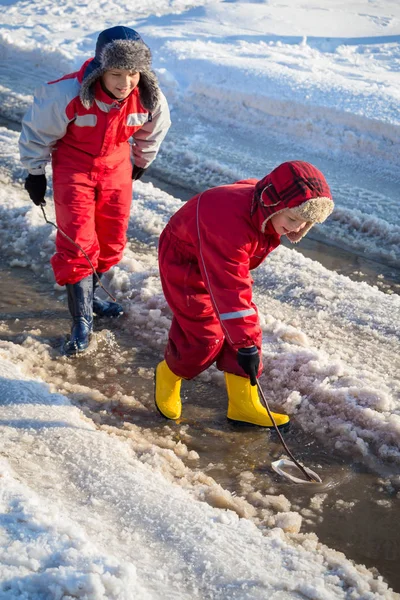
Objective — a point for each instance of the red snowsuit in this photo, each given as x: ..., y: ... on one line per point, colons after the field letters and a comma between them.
x: 92, y: 168
x: 206, y: 253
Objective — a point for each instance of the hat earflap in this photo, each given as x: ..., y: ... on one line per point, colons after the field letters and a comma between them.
x: 316, y: 210
x: 87, y: 93
x: 296, y: 236
x: 148, y: 90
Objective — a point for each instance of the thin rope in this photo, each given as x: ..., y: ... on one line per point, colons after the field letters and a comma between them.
x: 82, y: 250
x: 296, y: 462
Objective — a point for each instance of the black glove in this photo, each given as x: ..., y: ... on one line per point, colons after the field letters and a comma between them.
x: 36, y: 186
x: 249, y: 360
x: 137, y: 172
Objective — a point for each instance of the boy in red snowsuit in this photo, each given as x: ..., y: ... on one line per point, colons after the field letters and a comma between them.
x: 206, y: 253
x: 83, y: 122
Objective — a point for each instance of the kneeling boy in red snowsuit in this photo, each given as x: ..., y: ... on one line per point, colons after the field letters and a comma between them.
x: 206, y: 253
x: 83, y: 122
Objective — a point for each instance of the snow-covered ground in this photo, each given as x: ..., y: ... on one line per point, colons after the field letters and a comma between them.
x: 94, y: 513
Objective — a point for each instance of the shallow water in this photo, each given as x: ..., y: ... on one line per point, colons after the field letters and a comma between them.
x: 354, y: 510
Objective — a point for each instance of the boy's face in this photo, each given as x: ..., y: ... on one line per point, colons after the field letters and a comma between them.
x: 119, y: 82
x: 287, y: 222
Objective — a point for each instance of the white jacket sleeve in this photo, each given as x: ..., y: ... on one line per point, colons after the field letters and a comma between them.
x: 147, y: 140
x: 44, y: 123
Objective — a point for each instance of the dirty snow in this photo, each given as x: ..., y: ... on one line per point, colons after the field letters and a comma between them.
x: 78, y: 499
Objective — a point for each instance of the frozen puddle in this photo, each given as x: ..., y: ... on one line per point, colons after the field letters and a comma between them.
x: 354, y: 510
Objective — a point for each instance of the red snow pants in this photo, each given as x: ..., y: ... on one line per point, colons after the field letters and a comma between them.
x: 92, y: 199
x: 196, y: 338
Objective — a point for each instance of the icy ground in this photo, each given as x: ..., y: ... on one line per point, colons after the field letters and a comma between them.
x: 90, y: 510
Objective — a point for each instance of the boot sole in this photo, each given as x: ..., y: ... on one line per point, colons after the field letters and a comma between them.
x: 284, y: 427
x: 102, y: 316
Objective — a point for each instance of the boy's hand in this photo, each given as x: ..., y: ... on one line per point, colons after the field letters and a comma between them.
x: 137, y: 172
x: 249, y: 360
x: 36, y: 186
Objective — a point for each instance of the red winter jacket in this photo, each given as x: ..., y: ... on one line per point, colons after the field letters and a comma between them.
x: 216, y: 230
x: 58, y: 117
x: 227, y: 231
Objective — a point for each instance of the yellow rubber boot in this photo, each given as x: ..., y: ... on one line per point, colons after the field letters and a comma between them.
x: 244, y: 403
x: 167, y: 392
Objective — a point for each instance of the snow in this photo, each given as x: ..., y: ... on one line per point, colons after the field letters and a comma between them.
x: 77, y: 504
x: 89, y: 511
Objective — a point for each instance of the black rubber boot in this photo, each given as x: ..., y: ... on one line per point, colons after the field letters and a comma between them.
x: 105, y: 308
x: 80, y: 304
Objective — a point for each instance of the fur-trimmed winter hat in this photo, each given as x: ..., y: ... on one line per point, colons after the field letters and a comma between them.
x: 296, y: 185
x: 121, y: 48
